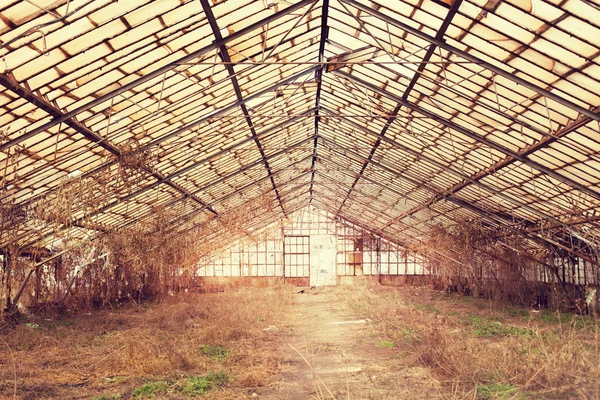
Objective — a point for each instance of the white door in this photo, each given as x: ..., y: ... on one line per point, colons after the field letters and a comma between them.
x: 322, y: 260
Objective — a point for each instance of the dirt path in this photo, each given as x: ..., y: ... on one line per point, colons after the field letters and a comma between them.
x: 346, y: 357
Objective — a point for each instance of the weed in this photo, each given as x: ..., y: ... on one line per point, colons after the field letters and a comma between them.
x: 115, y: 379
x: 25, y: 346
x: 215, y: 352
x: 517, y: 312
x: 400, y: 331
x: 192, y: 386
x: 150, y: 389
x: 554, y: 317
x: 547, y: 360
x: 197, y: 385
x: 427, y: 307
x: 409, y: 332
x: 490, y: 327
x: 557, y: 318
x: 134, y: 343
x: 496, y: 390
x: 108, y: 397
x: 386, y: 344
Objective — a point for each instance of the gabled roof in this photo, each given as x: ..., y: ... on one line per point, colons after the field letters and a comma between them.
x: 399, y: 115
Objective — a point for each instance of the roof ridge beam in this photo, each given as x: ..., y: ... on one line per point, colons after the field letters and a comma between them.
x: 234, y: 81
x: 319, y: 78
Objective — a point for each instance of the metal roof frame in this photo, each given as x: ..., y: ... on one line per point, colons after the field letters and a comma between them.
x: 401, y: 116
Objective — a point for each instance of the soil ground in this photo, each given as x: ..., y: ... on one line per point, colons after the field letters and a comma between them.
x: 336, y: 355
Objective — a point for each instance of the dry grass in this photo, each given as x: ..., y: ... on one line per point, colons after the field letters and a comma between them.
x: 114, y: 352
x: 469, y: 257
x: 480, y: 349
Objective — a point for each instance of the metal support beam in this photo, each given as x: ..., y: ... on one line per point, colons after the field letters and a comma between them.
x: 319, y: 79
x: 498, y: 219
x: 13, y: 86
x: 233, y: 239
x: 250, y: 211
x: 544, y: 142
x: 222, y: 179
x: 245, y: 187
x: 203, y: 119
x: 158, y: 72
x: 439, y: 36
x: 472, y: 135
x: 166, y: 178
x: 442, y: 44
x: 224, y: 53
x: 460, y: 175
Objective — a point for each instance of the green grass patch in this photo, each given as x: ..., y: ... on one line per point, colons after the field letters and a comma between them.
x: 191, y: 387
x: 490, y: 327
x: 427, y: 307
x: 554, y: 317
x: 151, y: 389
x: 115, y: 379
x: 386, y: 344
x: 496, y: 390
x: 108, y: 397
x: 409, y: 332
x: 198, y: 385
x: 215, y: 352
x: 517, y: 312
x: 557, y: 318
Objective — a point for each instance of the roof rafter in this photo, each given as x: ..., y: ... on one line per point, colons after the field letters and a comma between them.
x: 495, y: 217
x: 12, y: 85
x: 496, y: 167
x: 442, y: 44
x: 319, y: 79
x: 203, y: 119
x: 153, y: 185
x: 392, y: 118
x: 224, y: 54
x: 473, y: 135
x: 156, y: 73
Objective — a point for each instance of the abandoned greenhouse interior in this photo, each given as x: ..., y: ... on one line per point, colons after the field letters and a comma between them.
x: 300, y: 199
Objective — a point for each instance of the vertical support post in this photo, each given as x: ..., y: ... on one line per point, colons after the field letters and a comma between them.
x: 22, y: 288
x: 7, y: 264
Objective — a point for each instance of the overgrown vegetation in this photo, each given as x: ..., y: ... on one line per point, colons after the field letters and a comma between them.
x: 58, y: 254
x: 482, y: 349
x: 496, y: 390
x: 387, y: 344
x: 489, y: 326
x: 162, y: 349
x: 471, y: 258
